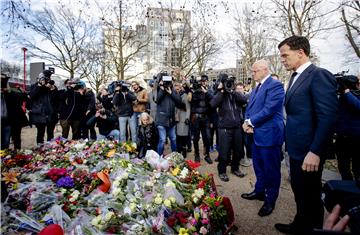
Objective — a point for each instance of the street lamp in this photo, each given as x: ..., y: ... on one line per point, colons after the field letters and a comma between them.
x: 24, y: 85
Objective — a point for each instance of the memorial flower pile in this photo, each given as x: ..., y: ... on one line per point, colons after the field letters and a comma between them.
x: 80, y: 187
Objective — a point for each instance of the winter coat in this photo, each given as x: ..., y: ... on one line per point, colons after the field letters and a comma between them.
x: 16, y: 116
x: 141, y: 101
x: 71, y: 105
x: 230, y: 109
x: 166, y: 103
x: 147, y: 138
x: 105, y: 125
x: 182, y: 117
x: 123, y: 102
x: 42, y: 105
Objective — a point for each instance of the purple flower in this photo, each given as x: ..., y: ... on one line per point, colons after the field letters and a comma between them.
x: 65, y: 182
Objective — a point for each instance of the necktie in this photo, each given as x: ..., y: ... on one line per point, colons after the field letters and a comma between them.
x: 257, y: 87
x: 293, y: 75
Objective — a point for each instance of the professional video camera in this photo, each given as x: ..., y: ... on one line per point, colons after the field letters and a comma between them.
x: 347, y: 82
x: 165, y: 78
x: 346, y: 193
x: 228, y: 82
x: 124, y: 87
x: 44, y: 76
x: 195, y: 83
x: 77, y: 84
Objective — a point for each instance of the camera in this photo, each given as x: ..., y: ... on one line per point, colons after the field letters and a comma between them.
x: 167, y: 81
x: 195, y: 83
x: 124, y: 87
x: 102, y: 111
x: 228, y: 82
x: 346, y: 82
x: 347, y: 194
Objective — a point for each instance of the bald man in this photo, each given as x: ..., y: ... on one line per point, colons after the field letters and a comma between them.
x: 264, y: 118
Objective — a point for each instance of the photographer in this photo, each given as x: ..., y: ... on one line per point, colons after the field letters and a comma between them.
x: 71, y: 103
x: 230, y: 105
x: 199, y: 98
x: 90, y: 109
x: 348, y: 127
x: 167, y: 99
x: 106, y: 122
x: 139, y: 105
x: 123, y: 102
x: 105, y: 99
x: 41, y: 110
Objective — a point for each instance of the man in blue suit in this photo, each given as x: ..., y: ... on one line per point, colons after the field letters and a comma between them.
x: 264, y: 118
x: 311, y: 108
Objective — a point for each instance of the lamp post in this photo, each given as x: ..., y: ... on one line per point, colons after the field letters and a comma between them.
x: 24, y: 85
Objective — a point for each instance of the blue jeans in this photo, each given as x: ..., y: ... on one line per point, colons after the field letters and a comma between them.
x: 5, y: 136
x: 170, y: 131
x: 134, y: 120
x: 114, y: 134
x: 122, y: 126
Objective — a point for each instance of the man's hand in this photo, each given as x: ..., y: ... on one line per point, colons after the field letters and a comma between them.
x: 220, y: 87
x: 333, y: 223
x: 97, y: 114
x: 311, y: 162
x: 168, y: 90
x: 203, y: 89
x: 247, y: 128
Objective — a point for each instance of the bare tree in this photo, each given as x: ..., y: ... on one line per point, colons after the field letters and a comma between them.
x: 124, y: 42
x: 351, y: 18
x: 10, y: 69
x: 64, y: 34
x: 252, y: 38
x: 190, y: 43
x: 302, y: 17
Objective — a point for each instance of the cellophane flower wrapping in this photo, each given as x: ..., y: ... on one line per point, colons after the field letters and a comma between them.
x: 61, y: 181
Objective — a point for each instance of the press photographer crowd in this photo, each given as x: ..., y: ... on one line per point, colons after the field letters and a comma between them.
x: 314, y: 118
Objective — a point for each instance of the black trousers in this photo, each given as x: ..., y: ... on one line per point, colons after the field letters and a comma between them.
x: 201, y: 125
x: 16, y: 136
x: 248, y: 142
x: 181, y: 144
x: 41, y: 131
x: 347, y: 153
x: 230, y: 140
x: 307, y: 191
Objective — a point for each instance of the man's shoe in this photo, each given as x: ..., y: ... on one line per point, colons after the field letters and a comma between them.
x: 253, y: 196
x: 208, y: 159
x: 238, y: 173
x: 286, y: 228
x: 197, y: 158
x: 224, y: 177
x: 266, y: 209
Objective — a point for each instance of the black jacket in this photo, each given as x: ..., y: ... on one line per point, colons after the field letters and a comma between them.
x: 15, y: 114
x: 230, y: 109
x: 42, y: 104
x: 71, y: 105
x: 123, y: 103
x: 147, y: 138
x: 105, y: 125
x: 200, y: 102
x: 348, y: 123
x: 166, y: 103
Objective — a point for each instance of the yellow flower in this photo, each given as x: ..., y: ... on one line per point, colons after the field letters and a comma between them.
x: 183, y: 231
x: 167, y: 203
x: 176, y: 171
x: 3, y: 153
x: 10, y: 177
x: 111, y: 153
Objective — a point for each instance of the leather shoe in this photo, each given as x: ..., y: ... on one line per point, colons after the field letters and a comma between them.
x: 238, y: 173
x: 197, y: 158
x: 224, y: 177
x: 208, y: 159
x: 266, y: 209
x: 253, y: 196
x: 286, y: 228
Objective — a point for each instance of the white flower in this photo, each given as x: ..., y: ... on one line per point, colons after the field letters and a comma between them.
x: 74, y: 196
x: 203, y: 230
x: 109, y: 215
x: 116, y: 183
x: 132, y: 206
x: 149, y: 183
x: 184, y: 173
x: 96, y: 221
x: 158, y: 200
x: 169, y: 183
x: 125, y: 176
x: 195, y: 199
x: 172, y: 199
x: 199, y: 192
x: 116, y: 192
x: 167, y: 203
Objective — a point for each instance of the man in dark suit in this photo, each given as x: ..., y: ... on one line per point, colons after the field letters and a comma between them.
x: 264, y: 118
x: 311, y: 108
